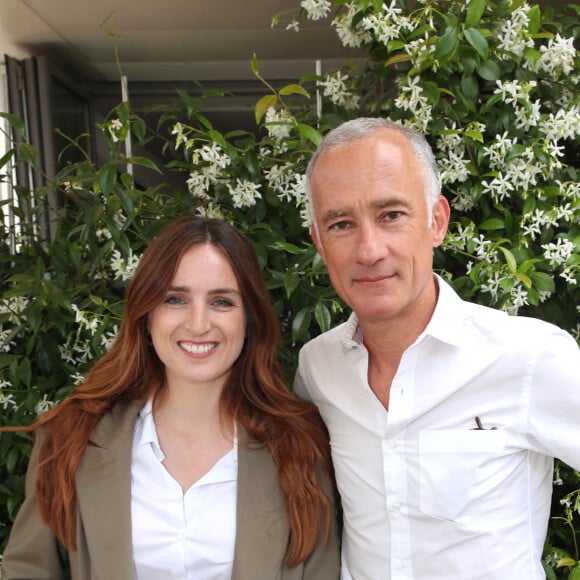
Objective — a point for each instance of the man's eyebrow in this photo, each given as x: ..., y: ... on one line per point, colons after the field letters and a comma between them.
x: 333, y: 214
x: 384, y: 203
x: 392, y: 201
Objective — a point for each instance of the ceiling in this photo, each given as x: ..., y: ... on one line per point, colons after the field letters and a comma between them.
x: 169, y: 40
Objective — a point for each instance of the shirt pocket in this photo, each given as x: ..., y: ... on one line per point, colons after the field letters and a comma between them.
x: 453, y: 465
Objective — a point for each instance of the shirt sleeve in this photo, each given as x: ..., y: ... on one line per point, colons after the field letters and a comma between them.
x: 554, y: 418
x: 300, y: 388
x: 33, y: 552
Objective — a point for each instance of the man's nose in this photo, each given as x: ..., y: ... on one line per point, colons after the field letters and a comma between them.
x: 371, y: 246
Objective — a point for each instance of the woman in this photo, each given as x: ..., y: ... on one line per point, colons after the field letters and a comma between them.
x: 183, y: 454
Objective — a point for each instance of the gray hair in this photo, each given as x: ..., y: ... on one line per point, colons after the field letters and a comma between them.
x: 366, y: 127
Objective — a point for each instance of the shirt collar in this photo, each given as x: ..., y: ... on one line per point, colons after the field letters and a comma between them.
x: 445, y: 325
x: 145, y: 432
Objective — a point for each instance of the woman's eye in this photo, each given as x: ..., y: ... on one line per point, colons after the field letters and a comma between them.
x: 173, y: 300
x: 223, y: 303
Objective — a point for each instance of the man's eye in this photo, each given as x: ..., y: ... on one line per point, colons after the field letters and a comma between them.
x: 339, y: 225
x: 392, y: 215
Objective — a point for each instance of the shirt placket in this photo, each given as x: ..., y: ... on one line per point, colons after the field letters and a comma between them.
x: 393, y: 447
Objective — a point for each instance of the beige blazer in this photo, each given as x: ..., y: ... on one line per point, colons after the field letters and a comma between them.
x: 104, y: 518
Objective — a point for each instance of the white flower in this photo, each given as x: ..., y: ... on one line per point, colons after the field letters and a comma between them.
x: 14, y: 307
x: 114, y: 126
x: 316, y: 9
x: 557, y: 254
x: 212, y: 154
x: 124, y: 268
x: 278, y: 123
x: 564, y: 124
x: 108, y: 338
x: 78, y: 379
x: 513, y: 33
x: 453, y: 168
x: 558, y: 57
x: 336, y: 89
x: 349, y: 35
x: 7, y: 400
x: 245, y: 193
x: 519, y: 298
x: 44, y: 405
x: 388, y: 24
x: 84, y: 319
x: 6, y: 342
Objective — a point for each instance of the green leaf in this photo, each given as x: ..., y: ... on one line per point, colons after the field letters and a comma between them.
x: 263, y: 105
x: 478, y: 42
x: 397, y: 58
x: 6, y: 157
x: 108, y: 178
x: 535, y: 19
x: 294, y: 89
x: 322, y: 316
x: 254, y: 64
x: 575, y: 573
x: 301, y: 323
x: 510, y: 259
x: 566, y: 562
x: 489, y: 70
x: 475, y: 10
x: 446, y: 45
x: 543, y: 282
x: 310, y: 133
x: 492, y: 224
x: 470, y: 86
x: 16, y: 122
x: 145, y: 162
x: 25, y: 372
x: 474, y: 134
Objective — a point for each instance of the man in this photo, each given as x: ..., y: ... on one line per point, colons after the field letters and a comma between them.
x: 444, y: 416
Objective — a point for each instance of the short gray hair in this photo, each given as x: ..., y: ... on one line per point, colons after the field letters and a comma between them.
x: 366, y: 127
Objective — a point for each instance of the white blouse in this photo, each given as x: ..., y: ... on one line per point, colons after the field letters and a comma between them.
x: 179, y: 536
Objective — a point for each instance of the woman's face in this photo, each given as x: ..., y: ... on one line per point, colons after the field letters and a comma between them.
x: 199, y: 328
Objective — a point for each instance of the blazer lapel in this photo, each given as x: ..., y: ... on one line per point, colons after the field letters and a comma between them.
x: 104, y: 494
x: 262, y: 528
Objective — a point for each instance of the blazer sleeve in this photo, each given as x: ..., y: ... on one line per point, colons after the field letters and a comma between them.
x: 324, y: 562
x: 32, y: 552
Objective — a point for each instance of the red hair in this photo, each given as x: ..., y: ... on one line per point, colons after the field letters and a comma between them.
x: 255, y: 395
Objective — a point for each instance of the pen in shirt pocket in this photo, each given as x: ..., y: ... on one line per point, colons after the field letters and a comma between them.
x: 479, y: 426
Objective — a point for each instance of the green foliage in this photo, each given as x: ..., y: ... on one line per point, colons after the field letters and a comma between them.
x: 494, y: 86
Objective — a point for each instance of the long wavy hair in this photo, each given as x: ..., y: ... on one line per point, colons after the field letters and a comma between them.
x: 255, y: 394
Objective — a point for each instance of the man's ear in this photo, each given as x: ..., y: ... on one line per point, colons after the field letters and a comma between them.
x: 440, y: 220
x: 316, y: 239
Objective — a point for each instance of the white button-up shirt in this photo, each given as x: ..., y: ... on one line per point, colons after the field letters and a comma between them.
x: 425, y: 495
x: 176, y: 535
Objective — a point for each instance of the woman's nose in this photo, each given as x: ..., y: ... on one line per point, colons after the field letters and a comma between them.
x: 197, y: 319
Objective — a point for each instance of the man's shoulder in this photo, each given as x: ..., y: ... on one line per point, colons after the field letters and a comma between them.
x: 330, y: 339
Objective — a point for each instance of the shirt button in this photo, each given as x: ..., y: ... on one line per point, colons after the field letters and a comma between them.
x: 397, y: 506
x: 392, y: 444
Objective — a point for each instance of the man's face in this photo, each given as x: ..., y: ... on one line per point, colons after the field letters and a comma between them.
x: 372, y: 227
